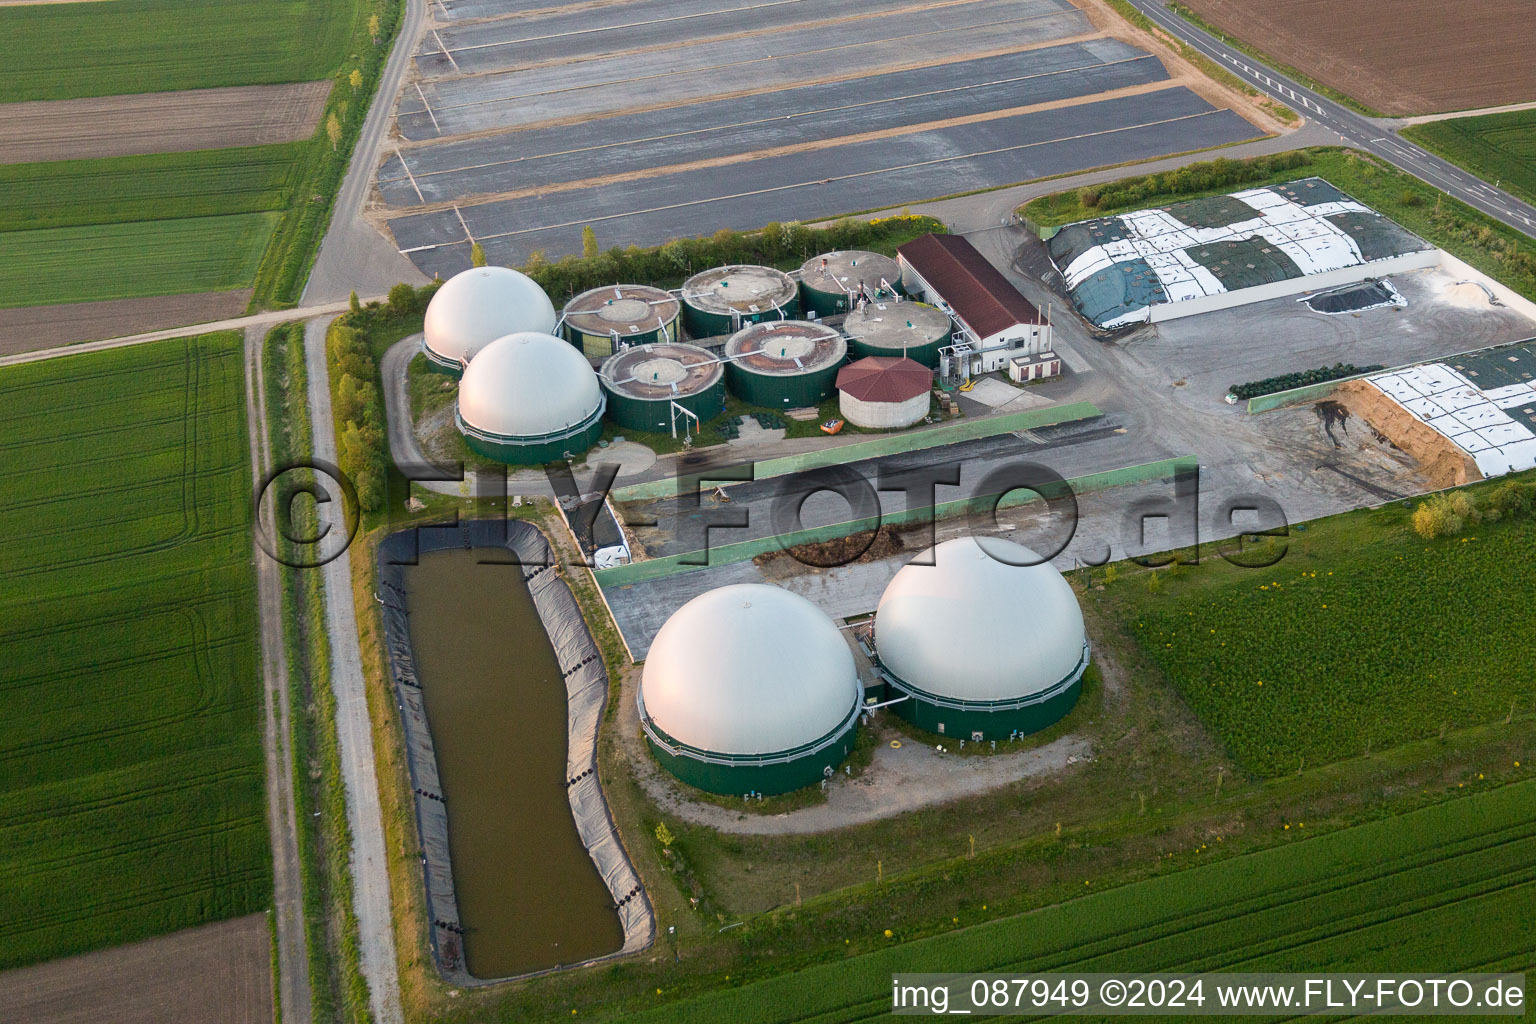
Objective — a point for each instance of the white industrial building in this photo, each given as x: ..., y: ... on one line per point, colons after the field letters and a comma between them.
x: 996, y: 323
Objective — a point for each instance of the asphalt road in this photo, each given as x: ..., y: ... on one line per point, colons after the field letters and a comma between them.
x: 1375, y: 136
x: 354, y: 256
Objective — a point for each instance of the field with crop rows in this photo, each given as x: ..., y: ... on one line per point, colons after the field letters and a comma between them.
x: 204, y: 183
x: 1451, y: 887
x: 64, y: 51
x: 120, y: 261
x: 131, y: 794
x: 1495, y: 147
x: 1363, y: 636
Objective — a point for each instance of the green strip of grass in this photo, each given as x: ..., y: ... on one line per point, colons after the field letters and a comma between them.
x: 1496, y: 147
x: 131, y: 793
x: 1444, y: 888
x: 66, y: 51
x: 160, y: 186
x: 122, y: 261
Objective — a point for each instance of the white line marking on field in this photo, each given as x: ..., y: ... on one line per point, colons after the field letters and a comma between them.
x: 428, y: 107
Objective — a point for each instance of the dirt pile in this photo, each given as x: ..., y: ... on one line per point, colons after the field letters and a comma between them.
x: 864, y: 546
x: 1442, y: 463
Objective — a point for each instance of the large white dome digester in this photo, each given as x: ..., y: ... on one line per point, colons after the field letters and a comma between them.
x: 475, y: 307
x: 749, y: 669
x: 979, y: 619
x: 528, y: 385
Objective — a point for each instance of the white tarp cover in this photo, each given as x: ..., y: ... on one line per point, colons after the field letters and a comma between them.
x: 1469, y: 417
x: 586, y: 683
x: 1303, y: 233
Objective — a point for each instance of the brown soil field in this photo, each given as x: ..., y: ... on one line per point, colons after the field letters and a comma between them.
x: 33, y: 327
x: 215, y: 972
x: 160, y: 122
x: 1403, y: 57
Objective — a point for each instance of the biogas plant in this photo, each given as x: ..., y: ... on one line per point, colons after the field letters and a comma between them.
x: 752, y: 689
x: 883, y: 335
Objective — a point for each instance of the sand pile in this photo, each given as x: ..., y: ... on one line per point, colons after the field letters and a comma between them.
x: 1465, y: 294
x: 1441, y: 462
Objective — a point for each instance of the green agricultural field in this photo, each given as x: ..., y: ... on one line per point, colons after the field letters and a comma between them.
x: 64, y: 51
x: 1363, y: 636
x: 161, y: 186
x: 120, y: 261
x: 1451, y: 887
x: 131, y: 792
x: 1495, y: 147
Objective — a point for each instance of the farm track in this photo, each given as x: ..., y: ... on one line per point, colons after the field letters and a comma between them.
x: 296, y: 998
x: 354, y: 727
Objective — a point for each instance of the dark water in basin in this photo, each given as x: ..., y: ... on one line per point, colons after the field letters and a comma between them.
x: 529, y: 895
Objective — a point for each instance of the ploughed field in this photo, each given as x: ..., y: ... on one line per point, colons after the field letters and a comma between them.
x: 131, y: 791
x: 1403, y: 57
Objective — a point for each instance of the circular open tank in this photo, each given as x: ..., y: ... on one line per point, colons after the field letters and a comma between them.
x: 784, y: 363
x: 600, y: 320
x: 720, y: 300
x: 831, y: 283
x: 643, y: 382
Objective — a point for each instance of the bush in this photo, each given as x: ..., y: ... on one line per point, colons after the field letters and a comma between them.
x: 1511, y: 499
x: 1089, y: 196
x: 1443, y: 515
x: 403, y: 300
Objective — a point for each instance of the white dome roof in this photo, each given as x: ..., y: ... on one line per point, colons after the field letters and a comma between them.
x: 475, y: 307
x: 978, y: 622
x: 528, y: 385
x: 749, y: 669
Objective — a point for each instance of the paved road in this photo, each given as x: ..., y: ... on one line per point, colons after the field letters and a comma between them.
x: 354, y: 732
x: 287, y: 878
x: 1370, y: 134
x: 353, y: 255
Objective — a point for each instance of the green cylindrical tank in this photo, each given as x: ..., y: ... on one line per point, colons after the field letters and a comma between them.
x: 725, y: 299
x: 915, y: 329
x: 784, y: 364
x: 832, y: 282
x: 642, y: 382
x: 601, y: 320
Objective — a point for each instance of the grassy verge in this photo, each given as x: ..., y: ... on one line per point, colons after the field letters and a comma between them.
x: 1285, y: 69
x: 1499, y: 148
x: 1499, y: 251
x: 335, y: 971
x: 133, y: 802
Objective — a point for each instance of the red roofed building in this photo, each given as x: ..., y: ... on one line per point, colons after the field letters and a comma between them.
x: 948, y: 272
x: 884, y: 392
